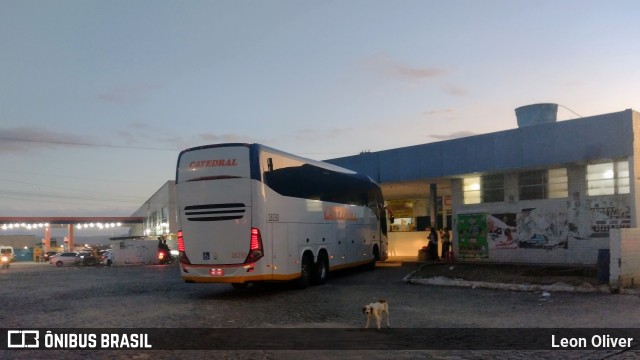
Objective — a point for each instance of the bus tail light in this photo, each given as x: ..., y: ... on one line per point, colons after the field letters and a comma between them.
x: 182, y: 257
x: 180, y: 241
x: 256, y: 251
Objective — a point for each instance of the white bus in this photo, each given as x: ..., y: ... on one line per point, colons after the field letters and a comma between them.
x: 250, y: 213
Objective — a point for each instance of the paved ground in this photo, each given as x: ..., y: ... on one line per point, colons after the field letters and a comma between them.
x: 44, y: 296
x: 510, y: 273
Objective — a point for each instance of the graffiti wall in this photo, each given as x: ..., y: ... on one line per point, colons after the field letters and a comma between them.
x: 542, y: 229
x: 594, y: 217
x: 552, y: 229
x: 531, y: 228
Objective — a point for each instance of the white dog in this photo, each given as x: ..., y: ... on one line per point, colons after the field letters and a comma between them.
x: 376, y: 309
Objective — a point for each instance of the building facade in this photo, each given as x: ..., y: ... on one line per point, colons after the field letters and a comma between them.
x: 158, y: 213
x: 546, y: 192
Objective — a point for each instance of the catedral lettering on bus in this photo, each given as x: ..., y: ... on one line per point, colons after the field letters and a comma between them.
x: 212, y: 163
x: 291, y: 218
x: 339, y: 213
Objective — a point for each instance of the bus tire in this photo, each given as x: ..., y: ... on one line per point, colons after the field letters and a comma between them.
x: 306, y: 267
x: 376, y: 257
x: 320, y: 270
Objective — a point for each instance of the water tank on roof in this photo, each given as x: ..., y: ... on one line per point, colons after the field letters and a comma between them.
x: 536, y: 114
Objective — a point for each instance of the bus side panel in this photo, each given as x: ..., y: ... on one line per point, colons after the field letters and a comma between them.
x: 279, y: 245
x: 340, y: 248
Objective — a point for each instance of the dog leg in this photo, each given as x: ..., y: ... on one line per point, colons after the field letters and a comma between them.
x: 388, y: 325
x: 367, y: 325
x: 377, y: 320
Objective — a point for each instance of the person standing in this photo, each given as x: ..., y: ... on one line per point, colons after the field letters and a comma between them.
x: 446, y: 244
x: 433, y: 244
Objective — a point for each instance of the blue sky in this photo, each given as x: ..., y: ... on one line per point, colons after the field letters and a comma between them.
x: 97, y: 98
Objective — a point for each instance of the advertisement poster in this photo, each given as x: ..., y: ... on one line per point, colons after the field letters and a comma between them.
x: 502, y: 231
x: 472, y: 236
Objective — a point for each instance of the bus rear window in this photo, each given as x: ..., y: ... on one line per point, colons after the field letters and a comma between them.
x: 215, y: 163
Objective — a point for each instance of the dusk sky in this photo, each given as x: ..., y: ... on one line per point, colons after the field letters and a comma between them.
x: 97, y: 98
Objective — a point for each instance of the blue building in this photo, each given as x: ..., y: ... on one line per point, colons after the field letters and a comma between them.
x: 546, y: 192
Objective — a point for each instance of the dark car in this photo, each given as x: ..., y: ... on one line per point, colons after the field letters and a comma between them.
x: 47, y: 255
x: 87, y: 259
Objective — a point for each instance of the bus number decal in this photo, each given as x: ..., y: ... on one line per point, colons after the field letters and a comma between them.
x: 273, y: 217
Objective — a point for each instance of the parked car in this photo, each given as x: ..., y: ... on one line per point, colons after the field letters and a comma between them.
x: 66, y: 258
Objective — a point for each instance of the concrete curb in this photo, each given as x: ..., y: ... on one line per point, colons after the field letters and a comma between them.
x: 444, y: 281
x: 559, y: 286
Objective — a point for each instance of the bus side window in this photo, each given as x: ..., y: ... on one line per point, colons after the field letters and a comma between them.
x: 269, y: 164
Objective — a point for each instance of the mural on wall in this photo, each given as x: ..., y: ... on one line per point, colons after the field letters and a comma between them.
x: 577, y: 214
x: 542, y: 229
x: 472, y: 236
x: 609, y: 212
x: 593, y: 218
x: 502, y: 231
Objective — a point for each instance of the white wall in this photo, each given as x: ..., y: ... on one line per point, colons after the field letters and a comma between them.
x: 624, y: 266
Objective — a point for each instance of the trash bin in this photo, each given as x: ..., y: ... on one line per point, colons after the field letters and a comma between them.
x: 603, y: 266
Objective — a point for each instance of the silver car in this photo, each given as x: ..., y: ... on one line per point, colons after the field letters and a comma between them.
x: 65, y: 258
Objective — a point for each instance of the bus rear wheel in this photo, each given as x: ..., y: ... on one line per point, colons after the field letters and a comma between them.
x: 320, y: 270
x: 376, y: 258
x: 305, y: 272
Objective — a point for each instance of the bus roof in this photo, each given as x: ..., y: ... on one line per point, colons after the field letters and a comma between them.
x: 260, y: 147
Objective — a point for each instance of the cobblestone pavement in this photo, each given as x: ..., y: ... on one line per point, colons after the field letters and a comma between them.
x: 44, y: 296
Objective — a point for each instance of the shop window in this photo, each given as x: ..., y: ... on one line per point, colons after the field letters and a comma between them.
x: 492, y: 188
x: 558, y: 183
x: 622, y: 177
x: 483, y: 189
x: 543, y: 184
x: 471, y: 190
x: 608, y: 178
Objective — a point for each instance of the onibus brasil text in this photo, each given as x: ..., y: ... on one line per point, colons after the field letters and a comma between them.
x: 78, y: 341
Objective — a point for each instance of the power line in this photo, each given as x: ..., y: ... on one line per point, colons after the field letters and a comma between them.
x: 80, y: 197
x: 573, y: 112
x: 54, y: 142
